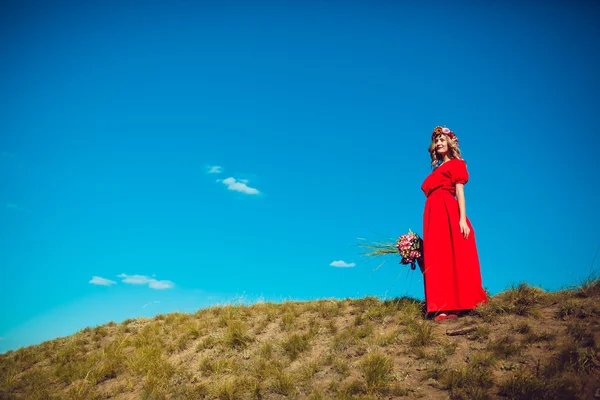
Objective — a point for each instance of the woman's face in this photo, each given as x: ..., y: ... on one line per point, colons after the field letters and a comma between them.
x: 441, y: 144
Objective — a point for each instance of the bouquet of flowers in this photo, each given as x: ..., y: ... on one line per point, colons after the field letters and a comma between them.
x: 410, y: 247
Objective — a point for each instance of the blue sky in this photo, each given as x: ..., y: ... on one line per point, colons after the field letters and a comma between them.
x: 114, y: 117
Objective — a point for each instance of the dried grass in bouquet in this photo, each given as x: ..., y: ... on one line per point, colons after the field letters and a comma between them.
x: 409, y: 246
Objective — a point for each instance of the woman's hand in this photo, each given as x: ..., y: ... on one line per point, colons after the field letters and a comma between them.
x: 464, y: 228
x: 462, y: 208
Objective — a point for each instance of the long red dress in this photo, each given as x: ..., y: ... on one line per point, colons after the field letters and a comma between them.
x: 452, y: 274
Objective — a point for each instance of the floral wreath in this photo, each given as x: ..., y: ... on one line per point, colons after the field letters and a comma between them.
x: 445, y: 131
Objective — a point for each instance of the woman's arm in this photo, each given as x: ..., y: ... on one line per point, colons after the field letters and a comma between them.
x: 462, y: 208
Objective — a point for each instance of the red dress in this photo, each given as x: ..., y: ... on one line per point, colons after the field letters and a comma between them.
x: 452, y: 276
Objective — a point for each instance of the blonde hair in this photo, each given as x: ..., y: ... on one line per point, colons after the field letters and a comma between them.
x: 454, y: 151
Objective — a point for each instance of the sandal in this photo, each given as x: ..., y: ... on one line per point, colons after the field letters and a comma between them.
x: 443, y: 316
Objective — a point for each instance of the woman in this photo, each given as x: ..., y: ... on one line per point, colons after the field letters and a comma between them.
x: 451, y: 265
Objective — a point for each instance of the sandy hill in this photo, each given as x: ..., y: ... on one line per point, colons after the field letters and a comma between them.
x: 525, y: 344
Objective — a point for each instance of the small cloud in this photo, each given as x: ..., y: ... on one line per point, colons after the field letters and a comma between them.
x: 134, y: 279
x: 153, y: 302
x: 145, y: 280
x: 342, y: 264
x: 154, y: 284
x: 13, y: 206
x: 239, y: 185
x: 97, y: 280
x: 215, y: 169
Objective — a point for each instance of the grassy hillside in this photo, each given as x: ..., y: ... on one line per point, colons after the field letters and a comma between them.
x: 525, y: 344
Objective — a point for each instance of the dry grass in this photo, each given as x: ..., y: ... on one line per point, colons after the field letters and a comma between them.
x: 525, y: 344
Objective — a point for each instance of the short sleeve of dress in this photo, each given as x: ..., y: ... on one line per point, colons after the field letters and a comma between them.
x: 459, y: 173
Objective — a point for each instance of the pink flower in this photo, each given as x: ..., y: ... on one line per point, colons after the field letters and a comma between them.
x: 445, y: 131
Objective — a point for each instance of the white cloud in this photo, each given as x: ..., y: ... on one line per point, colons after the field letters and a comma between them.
x: 154, y: 284
x: 14, y: 206
x: 147, y: 304
x: 342, y: 264
x: 215, y: 169
x: 134, y: 279
x: 239, y: 185
x: 145, y: 280
x: 97, y: 280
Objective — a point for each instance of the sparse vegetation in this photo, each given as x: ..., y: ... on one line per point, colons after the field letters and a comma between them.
x: 472, y: 381
x: 524, y: 344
